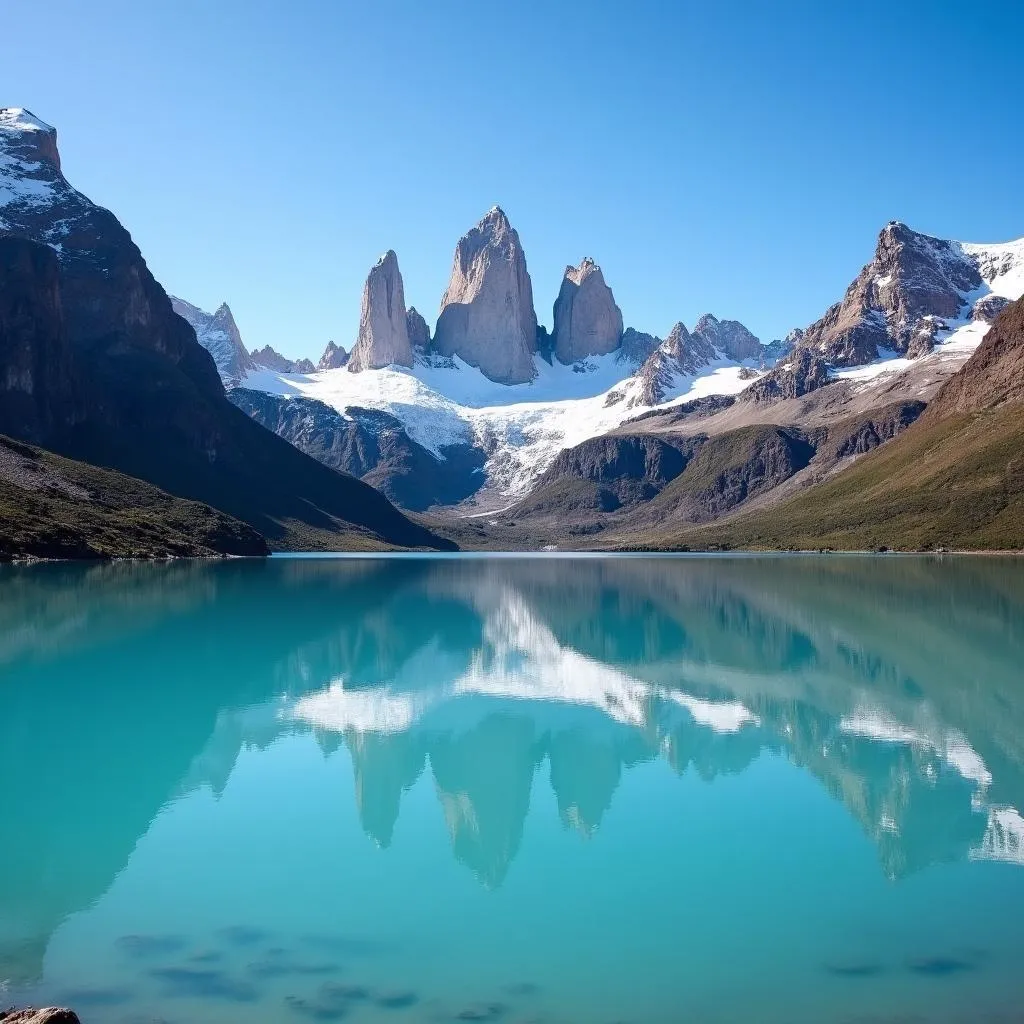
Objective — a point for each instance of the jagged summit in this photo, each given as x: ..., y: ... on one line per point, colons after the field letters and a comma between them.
x: 587, y: 320
x: 218, y: 333
x: 487, y: 316
x: 383, y: 338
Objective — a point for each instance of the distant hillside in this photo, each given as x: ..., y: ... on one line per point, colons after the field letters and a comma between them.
x: 954, y: 479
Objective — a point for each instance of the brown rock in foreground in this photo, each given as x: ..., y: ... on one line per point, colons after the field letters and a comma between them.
x: 48, y: 1015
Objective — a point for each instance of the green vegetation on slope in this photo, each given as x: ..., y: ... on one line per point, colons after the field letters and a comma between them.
x: 956, y: 482
x: 52, y: 507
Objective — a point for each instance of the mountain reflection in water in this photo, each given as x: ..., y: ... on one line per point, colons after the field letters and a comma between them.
x: 895, y: 682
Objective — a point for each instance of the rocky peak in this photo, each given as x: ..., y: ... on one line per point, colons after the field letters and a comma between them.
x: 637, y: 345
x: 219, y: 335
x: 334, y: 357
x: 487, y: 317
x: 587, y: 321
x: 30, y: 138
x: 914, y: 285
x: 680, y: 354
x: 419, y: 332
x: 270, y: 359
x: 383, y: 338
x: 729, y: 337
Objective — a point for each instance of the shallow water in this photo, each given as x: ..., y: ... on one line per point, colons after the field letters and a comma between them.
x: 506, y: 789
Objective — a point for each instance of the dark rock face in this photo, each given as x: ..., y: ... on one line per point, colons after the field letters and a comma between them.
x: 899, y: 301
x: 150, y: 401
x: 370, y: 445
x: 37, y: 379
x: 866, y: 433
x: 804, y: 372
x: 587, y: 321
x: 732, y: 468
x: 628, y: 468
x: 730, y: 337
x: 334, y: 357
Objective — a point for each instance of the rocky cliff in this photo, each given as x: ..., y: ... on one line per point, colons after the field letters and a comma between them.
x: 587, y: 321
x: 419, y: 332
x: 383, y: 338
x: 270, y: 359
x: 487, y: 316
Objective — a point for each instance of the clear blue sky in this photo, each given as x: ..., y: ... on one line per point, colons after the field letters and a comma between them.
x: 732, y: 157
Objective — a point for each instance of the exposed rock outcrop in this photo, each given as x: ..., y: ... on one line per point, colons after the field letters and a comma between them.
x: 680, y: 354
x: 637, y: 346
x: 334, y: 357
x: 418, y: 330
x: 587, y: 321
x: 802, y: 372
x: 899, y: 301
x: 487, y: 316
x: 219, y: 335
x: 730, y: 337
x: 383, y: 335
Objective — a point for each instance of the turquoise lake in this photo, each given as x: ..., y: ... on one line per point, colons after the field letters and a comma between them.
x: 633, y: 789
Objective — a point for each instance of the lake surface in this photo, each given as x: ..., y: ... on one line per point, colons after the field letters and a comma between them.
x: 599, y: 790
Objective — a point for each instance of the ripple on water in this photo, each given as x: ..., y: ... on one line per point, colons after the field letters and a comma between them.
x: 150, y: 945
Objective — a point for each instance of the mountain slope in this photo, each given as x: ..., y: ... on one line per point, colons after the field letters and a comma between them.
x: 147, y: 399
x: 953, y: 479
x: 52, y: 507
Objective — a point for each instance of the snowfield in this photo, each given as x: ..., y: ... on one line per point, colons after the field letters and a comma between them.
x: 521, y: 427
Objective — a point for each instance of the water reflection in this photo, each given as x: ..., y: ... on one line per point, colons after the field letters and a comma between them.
x: 897, y: 683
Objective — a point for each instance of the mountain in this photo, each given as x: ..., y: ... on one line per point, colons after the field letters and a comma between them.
x: 913, y: 289
x: 383, y: 330
x: 334, y: 357
x: 587, y: 321
x: 218, y: 333
x: 132, y: 389
x: 954, y: 479
x: 487, y: 317
x: 270, y: 359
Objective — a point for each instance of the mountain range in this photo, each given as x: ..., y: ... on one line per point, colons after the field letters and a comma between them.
x: 489, y: 429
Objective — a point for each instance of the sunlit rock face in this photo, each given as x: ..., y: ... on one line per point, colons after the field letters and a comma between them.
x: 487, y: 316
x: 587, y: 321
x: 383, y: 333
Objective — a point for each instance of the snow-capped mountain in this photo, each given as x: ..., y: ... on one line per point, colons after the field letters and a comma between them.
x: 921, y: 305
x: 218, y: 333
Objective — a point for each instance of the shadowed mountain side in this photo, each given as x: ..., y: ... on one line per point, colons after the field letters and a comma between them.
x: 95, y: 365
x: 51, y: 507
x: 370, y: 445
